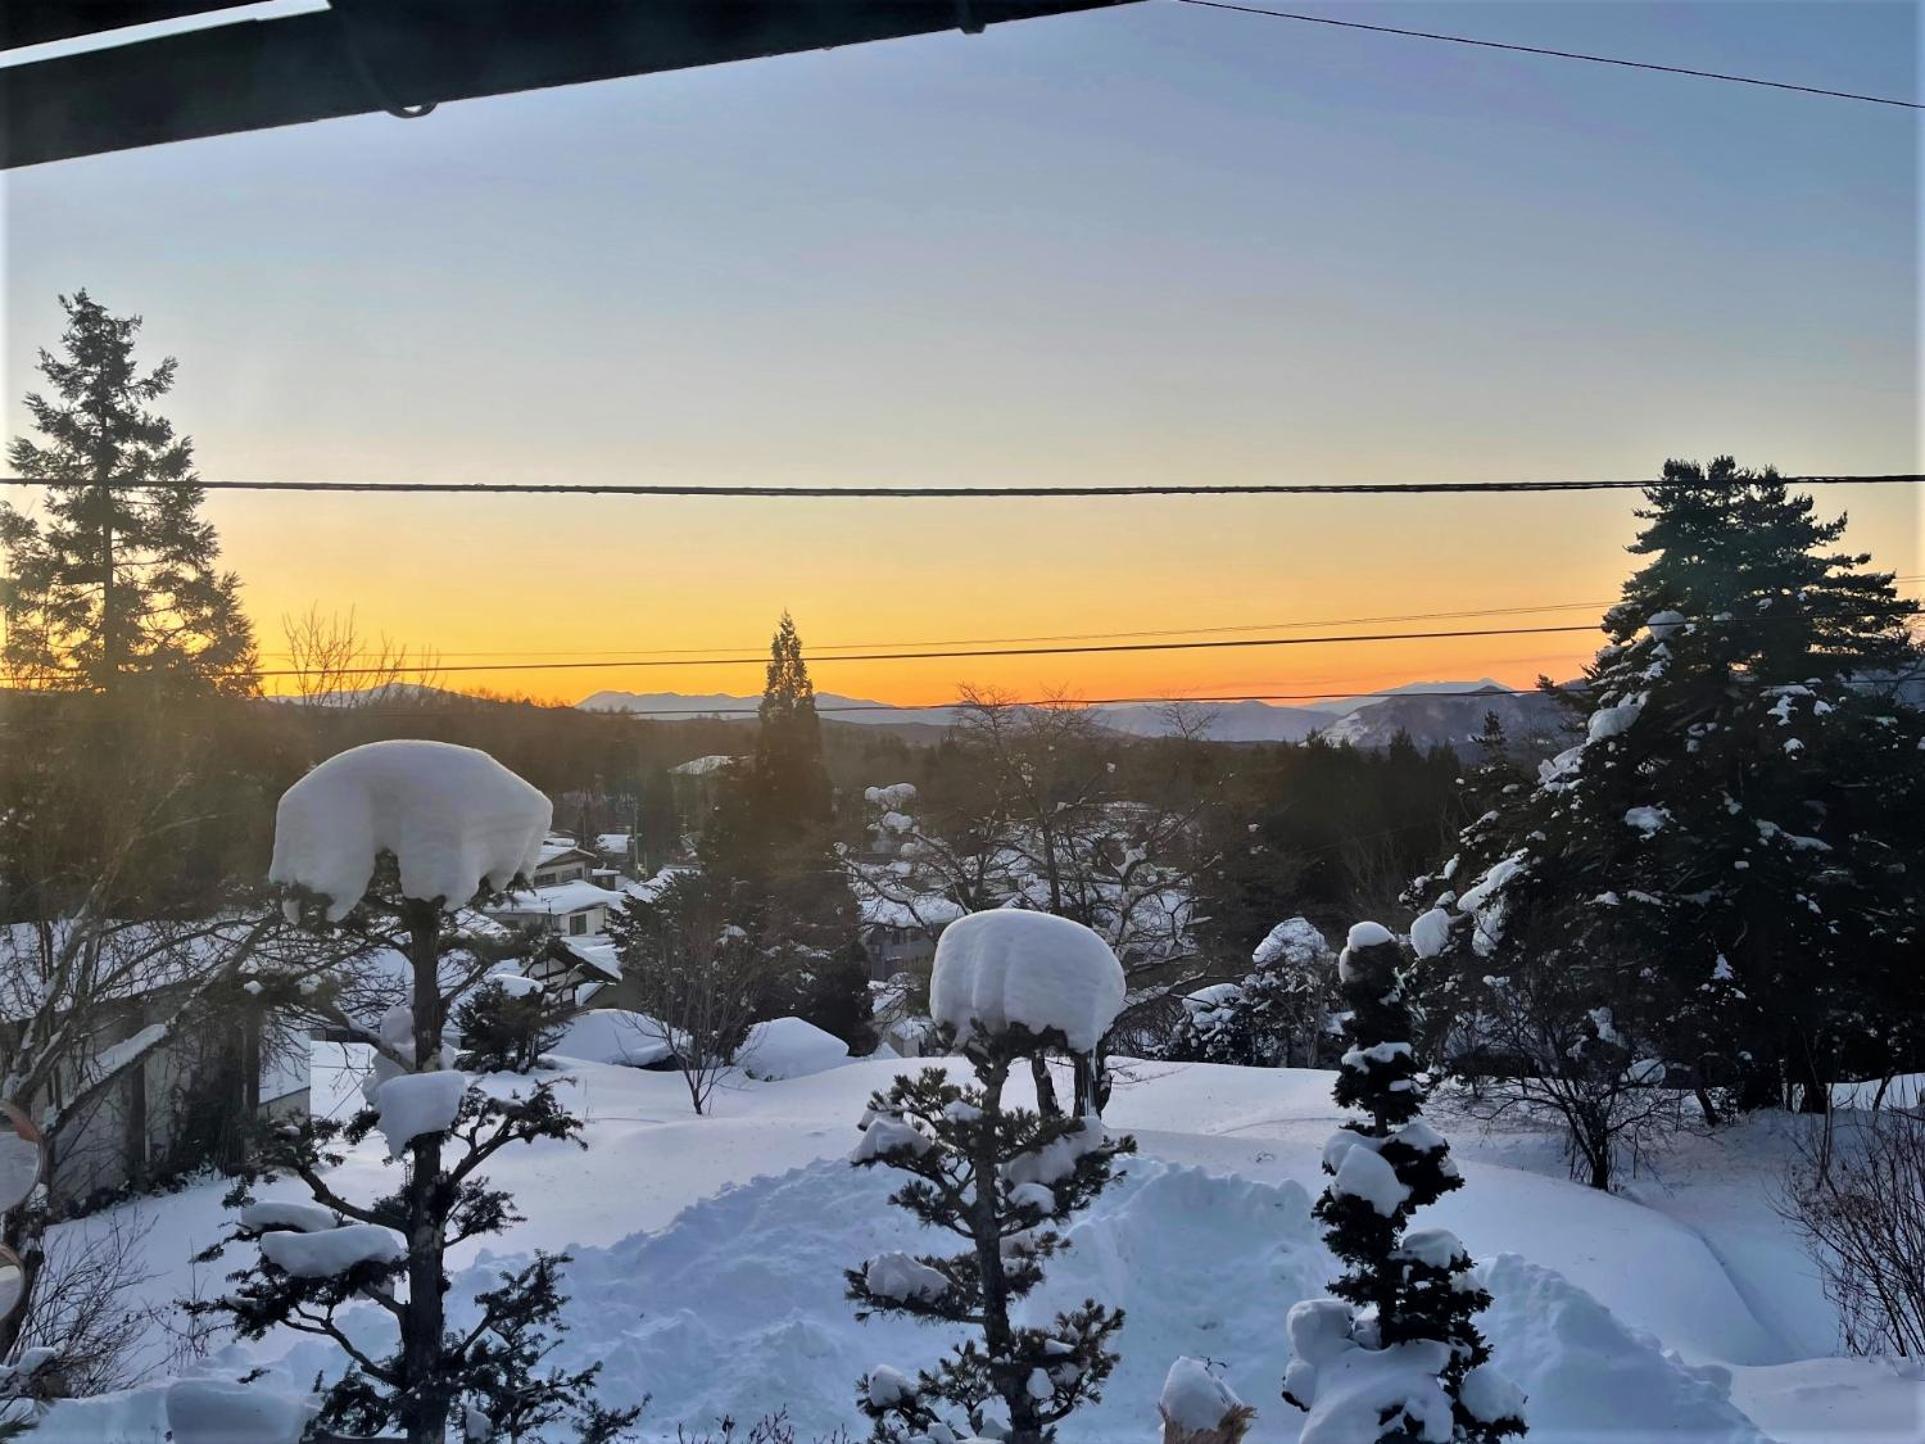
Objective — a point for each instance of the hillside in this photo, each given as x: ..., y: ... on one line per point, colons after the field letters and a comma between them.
x: 1530, y: 720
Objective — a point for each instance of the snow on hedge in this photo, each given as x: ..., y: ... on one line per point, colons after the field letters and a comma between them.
x: 418, y: 1103
x: 1194, y: 1400
x: 615, y: 1035
x: 790, y: 1048
x: 331, y: 1253
x: 998, y: 970
x: 454, y: 818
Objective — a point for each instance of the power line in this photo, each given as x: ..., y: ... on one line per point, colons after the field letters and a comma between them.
x: 1213, y: 644
x: 953, y: 493
x: 1559, y: 54
x: 428, y: 659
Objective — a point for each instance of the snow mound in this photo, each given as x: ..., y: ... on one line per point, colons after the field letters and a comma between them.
x: 1009, y: 968
x: 615, y: 1035
x: 209, y: 1411
x: 453, y: 816
x: 1582, y: 1367
x: 738, y: 1307
x: 790, y: 1048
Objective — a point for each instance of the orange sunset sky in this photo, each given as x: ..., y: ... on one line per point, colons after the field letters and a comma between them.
x: 1138, y: 245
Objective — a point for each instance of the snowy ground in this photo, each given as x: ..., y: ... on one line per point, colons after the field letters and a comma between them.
x: 708, y: 1256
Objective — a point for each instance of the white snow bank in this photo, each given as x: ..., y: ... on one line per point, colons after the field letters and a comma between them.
x: 453, y: 816
x: 790, y: 1048
x: 1194, y: 1399
x: 418, y: 1103
x: 333, y: 1252
x: 210, y: 1411
x: 615, y: 1035
x: 1585, y: 1367
x: 1008, y: 968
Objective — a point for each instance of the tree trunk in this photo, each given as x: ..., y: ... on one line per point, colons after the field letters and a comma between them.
x: 425, y: 1398
x: 998, y: 1339
x: 1046, y: 1102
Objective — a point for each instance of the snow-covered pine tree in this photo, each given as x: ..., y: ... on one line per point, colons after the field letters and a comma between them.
x: 1274, y: 1015
x: 507, y: 1022
x: 1725, y: 877
x: 121, y: 578
x: 1002, y: 1177
x: 449, y: 822
x: 1395, y: 1357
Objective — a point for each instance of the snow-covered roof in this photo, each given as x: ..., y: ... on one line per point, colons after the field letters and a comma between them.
x: 554, y: 849
x: 931, y: 910
x: 557, y: 899
x: 612, y: 841
x: 454, y: 818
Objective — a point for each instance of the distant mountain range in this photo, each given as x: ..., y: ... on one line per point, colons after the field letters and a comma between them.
x: 1369, y: 720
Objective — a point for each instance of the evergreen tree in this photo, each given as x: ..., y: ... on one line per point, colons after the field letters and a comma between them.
x: 1405, y: 1301
x: 507, y: 1023
x: 121, y: 578
x: 1725, y: 876
x: 791, y: 797
x: 770, y: 844
x: 1280, y: 1005
x: 1003, y: 1178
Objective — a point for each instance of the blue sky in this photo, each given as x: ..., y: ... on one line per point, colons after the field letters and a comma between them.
x: 1150, y: 243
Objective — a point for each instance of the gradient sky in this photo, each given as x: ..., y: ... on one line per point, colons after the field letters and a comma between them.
x: 1156, y: 243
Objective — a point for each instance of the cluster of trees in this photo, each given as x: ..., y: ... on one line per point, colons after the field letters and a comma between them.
x: 1716, y: 894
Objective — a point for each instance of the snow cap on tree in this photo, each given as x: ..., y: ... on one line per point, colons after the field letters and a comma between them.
x: 455, y: 819
x: 997, y: 972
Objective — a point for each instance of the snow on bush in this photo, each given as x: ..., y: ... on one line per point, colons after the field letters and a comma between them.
x: 1430, y: 934
x: 999, y: 970
x: 418, y: 1103
x: 454, y: 818
x: 1195, y: 1401
x: 615, y: 1035
x: 333, y: 1252
x: 1356, y: 1395
x: 790, y: 1048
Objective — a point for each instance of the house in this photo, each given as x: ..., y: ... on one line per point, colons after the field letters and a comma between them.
x: 563, y: 861
x: 189, y: 1099
x: 575, y: 908
x: 899, y: 935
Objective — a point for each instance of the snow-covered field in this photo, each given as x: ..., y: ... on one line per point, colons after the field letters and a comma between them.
x: 708, y: 1255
